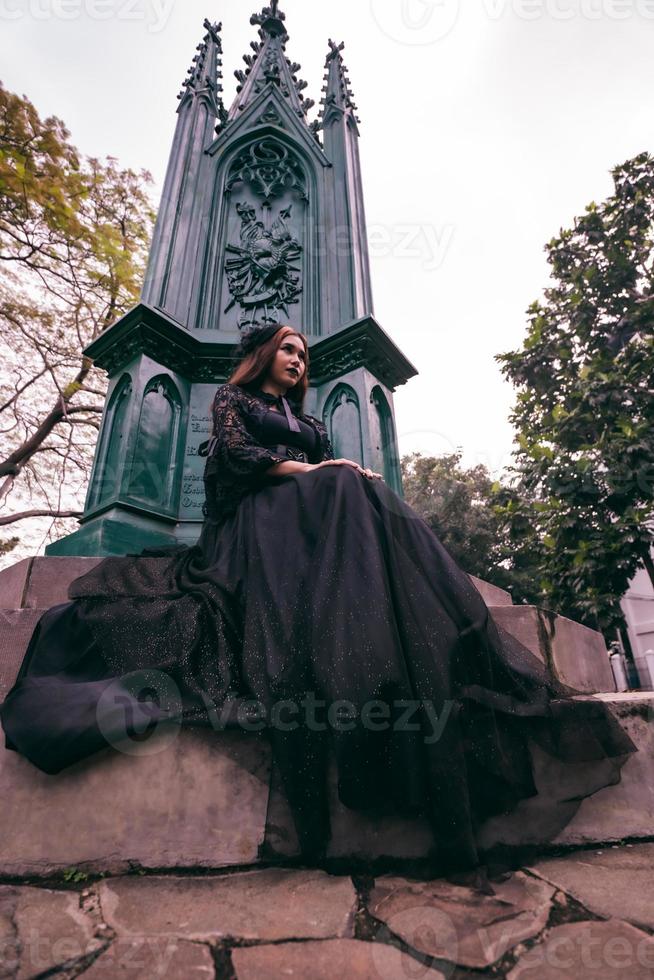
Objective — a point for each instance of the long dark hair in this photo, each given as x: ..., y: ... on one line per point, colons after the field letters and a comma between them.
x: 254, y: 367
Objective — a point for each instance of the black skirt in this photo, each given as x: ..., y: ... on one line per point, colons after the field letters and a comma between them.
x: 326, y: 615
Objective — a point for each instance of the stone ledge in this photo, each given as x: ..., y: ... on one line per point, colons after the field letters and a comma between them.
x: 43, y: 580
x: 204, y: 801
x: 575, y: 655
x: 16, y: 628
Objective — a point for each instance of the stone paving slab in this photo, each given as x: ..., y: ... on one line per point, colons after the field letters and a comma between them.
x: 614, y: 882
x: 457, y: 924
x: 349, y: 959
x: 265, y: 905
x: 153, y: 959
x: 41, y: 929
x: 589, y: 951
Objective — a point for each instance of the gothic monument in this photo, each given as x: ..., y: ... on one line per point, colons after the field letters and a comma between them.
x: 261, y: 220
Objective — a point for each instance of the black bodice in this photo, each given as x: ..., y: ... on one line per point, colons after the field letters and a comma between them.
x: 273, y: 429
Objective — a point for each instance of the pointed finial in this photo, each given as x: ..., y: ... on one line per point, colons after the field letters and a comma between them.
x: 271, y: 21
x: 337, y: 84
x: 205, y: 74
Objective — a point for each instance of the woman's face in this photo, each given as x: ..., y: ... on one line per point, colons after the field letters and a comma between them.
x: 290, y: 362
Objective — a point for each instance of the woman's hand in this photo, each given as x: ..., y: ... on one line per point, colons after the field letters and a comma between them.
x: 370, y: 474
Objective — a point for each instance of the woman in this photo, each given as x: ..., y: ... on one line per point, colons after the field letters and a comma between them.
x: 316, y: 607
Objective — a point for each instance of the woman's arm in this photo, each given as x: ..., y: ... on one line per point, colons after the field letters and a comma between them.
x: 293, y: 466
x: 289, y: 466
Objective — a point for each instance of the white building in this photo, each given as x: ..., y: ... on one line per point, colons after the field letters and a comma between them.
x: 638, y: 608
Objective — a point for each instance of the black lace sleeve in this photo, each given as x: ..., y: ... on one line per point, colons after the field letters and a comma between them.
x: 239, y: 456
x: 325, y: 448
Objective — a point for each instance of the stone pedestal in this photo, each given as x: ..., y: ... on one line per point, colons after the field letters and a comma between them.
x: 203, y: 798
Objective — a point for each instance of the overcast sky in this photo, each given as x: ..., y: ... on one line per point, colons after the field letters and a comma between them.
x: 484, y: 130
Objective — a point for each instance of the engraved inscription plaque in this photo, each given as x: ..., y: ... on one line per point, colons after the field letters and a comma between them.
x: 199, y: 430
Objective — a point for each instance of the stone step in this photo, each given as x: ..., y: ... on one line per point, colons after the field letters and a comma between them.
x: 574, y: 654
x: 42, y: 581
x: 16, y: 627
x: 201, y: 798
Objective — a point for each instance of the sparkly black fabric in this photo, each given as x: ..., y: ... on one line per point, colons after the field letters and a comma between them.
x: 320, y: 611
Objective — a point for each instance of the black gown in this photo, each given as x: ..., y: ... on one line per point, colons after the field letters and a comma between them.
x: 319, y: 610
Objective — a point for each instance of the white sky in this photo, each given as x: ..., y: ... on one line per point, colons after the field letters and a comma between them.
x: 485, y: 129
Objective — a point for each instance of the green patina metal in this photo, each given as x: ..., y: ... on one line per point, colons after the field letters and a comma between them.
x: 261, y: 221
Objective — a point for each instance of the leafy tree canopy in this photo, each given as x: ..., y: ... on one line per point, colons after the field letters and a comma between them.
x: 74, y: 234
x: 583, y: 477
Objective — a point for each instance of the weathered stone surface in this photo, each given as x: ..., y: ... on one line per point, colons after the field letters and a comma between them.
x: 41, y: 581
x: 41, y: 929
x: 50, y: 577
x: 618, y: 881
x: 203, y: 802
x: 627, y: 809
x: 589, y: 951
x: 491, y: 594
x: 148, y: 958
x: 460, y: 924
x: 16, y: 628
x: 576, y: 655
x: 613, y: 813
x: 13, y: 582
x: 347, y: 958
x: 270, y: 904
x: 200, y: 801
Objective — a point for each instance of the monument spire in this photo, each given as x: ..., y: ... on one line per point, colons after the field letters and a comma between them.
x: 337, y: 91
x: 200, y: 108
x: 204, y: 77
x: 269, y: 66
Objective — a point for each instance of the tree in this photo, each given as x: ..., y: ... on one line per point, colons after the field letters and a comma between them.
x: 73, y: 242
x: 461, y: 507
x: 584, y: 466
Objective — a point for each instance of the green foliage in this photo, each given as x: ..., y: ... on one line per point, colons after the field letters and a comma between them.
x: 464, y: 508
x: 74, y: 234
x: 584, y: 463
x: 73, y: 874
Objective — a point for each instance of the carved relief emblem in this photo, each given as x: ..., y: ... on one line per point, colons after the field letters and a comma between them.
x: 262, y: 275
